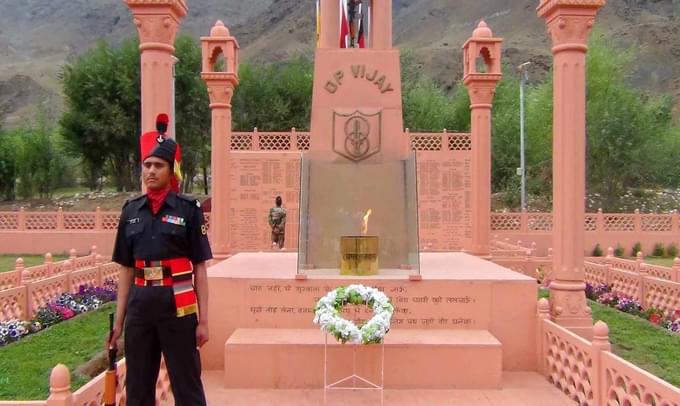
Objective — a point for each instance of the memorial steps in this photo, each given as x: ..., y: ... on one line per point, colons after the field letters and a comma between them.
x: 518, y: 389
x: 465, y: 332
x: 413, y: 359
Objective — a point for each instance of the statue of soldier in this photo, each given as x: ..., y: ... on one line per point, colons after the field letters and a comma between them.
x: 355, y: 15
x: 277, y: 221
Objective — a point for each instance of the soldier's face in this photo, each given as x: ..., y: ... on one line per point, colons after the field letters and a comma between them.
x: 156, y: 173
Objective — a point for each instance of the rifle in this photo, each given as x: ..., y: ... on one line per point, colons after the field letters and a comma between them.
x: 111, y: 378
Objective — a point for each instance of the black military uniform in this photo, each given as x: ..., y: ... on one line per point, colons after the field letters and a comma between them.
x: 162, y: 307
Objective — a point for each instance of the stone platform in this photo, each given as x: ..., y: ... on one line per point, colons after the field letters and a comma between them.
x: 519, y: 389
x: 413, y: 359
x: 464, y: 323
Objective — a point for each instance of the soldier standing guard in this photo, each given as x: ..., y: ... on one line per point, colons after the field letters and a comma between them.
x: 162, y: 245
x: 277, y: 221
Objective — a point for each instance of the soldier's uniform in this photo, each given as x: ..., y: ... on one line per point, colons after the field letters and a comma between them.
x: 162, y: 309
x: 277, y: 221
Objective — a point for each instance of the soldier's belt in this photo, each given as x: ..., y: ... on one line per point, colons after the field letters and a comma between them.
x: 177, y: 273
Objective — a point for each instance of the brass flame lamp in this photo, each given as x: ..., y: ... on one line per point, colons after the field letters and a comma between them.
x: 359, y: 255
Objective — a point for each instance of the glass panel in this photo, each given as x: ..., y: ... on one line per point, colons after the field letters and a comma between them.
x: 358, y: 218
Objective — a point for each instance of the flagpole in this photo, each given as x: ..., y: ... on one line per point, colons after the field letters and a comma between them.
x: 369, y: 26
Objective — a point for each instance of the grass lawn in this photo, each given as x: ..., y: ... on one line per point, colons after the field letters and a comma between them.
x: 27, y: 364
x: 659, y: 261
x: 636, y: 340
x: 651, y: 348
x: 7, y: 261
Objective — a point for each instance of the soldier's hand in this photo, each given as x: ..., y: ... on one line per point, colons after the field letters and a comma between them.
x: 113, y: 341
x: 202, y: 334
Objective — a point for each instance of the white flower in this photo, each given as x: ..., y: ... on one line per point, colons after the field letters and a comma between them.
x: 328, y: 318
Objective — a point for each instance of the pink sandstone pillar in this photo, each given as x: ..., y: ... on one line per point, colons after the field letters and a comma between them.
x: 381, y: 25
x: 481, y: 84
x: 221, y: 85
x: 569, y: 24
x: 60, y: 387
x: 157, y: 23
x: 329, y: 13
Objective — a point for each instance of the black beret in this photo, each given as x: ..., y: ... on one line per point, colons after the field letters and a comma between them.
x: 165, y: 150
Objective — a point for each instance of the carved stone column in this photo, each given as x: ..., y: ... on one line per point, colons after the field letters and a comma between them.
x: 221, y: 85
x: 157, y: 24
x: 481, y: 80
x: 381, y: 26
x: 329, y: 36
x: 569, y: 24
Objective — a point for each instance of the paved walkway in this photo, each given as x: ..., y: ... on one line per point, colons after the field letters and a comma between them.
x: 519, y: 388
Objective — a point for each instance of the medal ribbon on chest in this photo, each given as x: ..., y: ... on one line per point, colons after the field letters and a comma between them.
x: 174, y: 220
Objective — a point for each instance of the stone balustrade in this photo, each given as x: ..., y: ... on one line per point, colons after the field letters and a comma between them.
x: 636, y: 222
x: 22, y: 301
x: 658, y: 289
x: 92, y: 392
x: 22, y: 274
x: 589, y: 373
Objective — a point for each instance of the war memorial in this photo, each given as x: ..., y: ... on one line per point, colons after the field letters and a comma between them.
x: 389, y: 215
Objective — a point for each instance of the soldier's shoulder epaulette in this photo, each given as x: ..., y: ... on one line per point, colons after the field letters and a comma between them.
x: 191, y: 200
x: 132, y: 199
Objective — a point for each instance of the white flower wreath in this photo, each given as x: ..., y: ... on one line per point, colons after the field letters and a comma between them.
x: 327, y: 314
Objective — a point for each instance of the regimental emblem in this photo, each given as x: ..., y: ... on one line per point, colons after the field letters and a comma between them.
x: 357, y: 135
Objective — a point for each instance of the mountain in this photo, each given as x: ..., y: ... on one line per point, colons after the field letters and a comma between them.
x: 36, y: 37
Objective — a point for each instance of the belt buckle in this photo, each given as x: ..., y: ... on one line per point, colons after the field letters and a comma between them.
x: 154, y: 273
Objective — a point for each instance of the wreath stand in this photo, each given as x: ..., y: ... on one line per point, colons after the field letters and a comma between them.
x: 354, y: 378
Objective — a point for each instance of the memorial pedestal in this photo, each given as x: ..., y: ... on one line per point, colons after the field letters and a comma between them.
x: 465, y: 311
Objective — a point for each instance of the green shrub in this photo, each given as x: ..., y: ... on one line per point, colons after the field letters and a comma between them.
x: 636, y: 248
x: 618, y: 251
x: 658, y: 250
x: 672, y: 250
x: 597, y: 251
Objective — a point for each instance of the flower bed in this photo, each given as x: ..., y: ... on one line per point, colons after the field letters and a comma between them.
x: 63, y: 307
x: 603, y: 294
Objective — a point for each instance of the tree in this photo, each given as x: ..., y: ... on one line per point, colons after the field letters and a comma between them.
x: 101, y: 123
x: 628, y: 131
x: 103, y: 111
x: 40, y: 164
x: 8, y: 165
x: 274, y: 97
x: 192, y: 110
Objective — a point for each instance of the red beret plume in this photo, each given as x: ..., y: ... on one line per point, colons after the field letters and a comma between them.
x: 162, y: 118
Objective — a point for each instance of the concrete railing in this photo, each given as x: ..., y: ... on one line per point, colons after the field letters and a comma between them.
x: 21, y: 274
x: 270, y: 141
x: 531, y: 223
x: 93, y: 392
x: 21, y: 302
x: 589, y: 373
x: 59, y: 220
x: 594, y: 222
x: 300, y: 141
x: 652, y: 285
x: 639, y: 266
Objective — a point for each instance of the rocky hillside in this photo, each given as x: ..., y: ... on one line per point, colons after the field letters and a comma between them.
x: 36, y: 36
